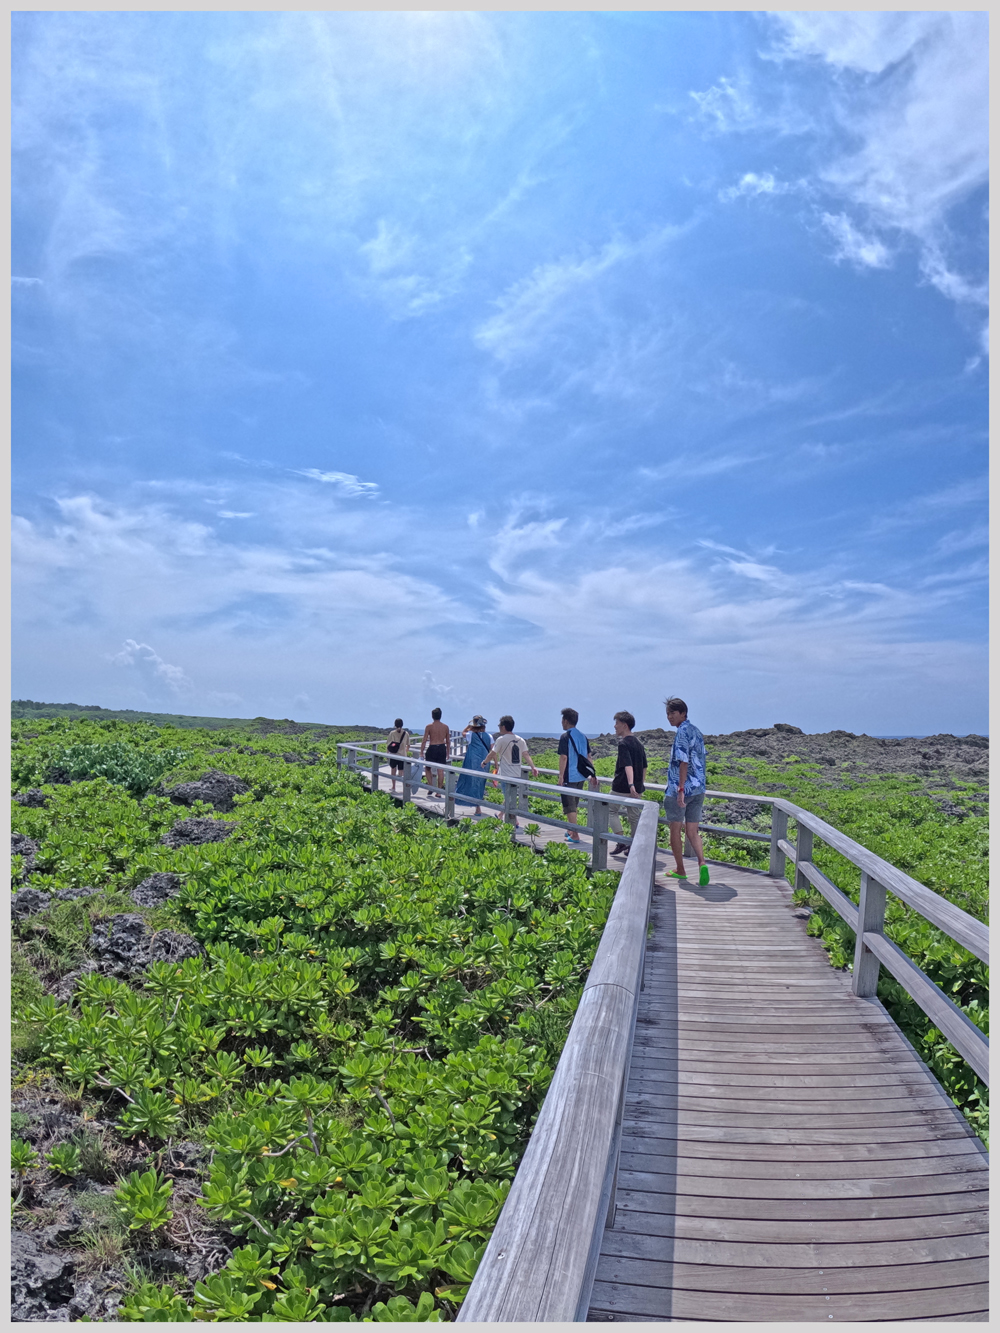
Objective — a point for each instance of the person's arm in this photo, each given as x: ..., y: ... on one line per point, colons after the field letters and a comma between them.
x: 527, y: 759
x: 681, y: 781
x: 489, y: 758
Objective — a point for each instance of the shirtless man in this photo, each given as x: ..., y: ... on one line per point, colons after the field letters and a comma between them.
x: 435, y: 743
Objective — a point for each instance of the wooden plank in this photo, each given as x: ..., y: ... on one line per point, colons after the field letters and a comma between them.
x: 781, y: 1231
x: 763, y: 1157
x: 778, y: 1110
x: 871, y: 1253
x: 724, y: 1184
x: 778, y: 1280
x: 643, y: 1302
x: 764, y: 1096
x: 814, y: 1121
x: 702, y: 1073
x: 684, y: 1204
x: 801, y: 1137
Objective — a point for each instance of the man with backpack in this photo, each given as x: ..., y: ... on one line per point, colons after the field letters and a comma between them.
x: 397, y: 740
x: 575, y: 768
x: 509, y: 753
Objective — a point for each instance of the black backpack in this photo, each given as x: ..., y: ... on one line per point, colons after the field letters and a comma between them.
x: 583, y: 763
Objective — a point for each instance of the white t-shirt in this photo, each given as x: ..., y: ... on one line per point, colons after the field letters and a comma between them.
x: 506, y: 746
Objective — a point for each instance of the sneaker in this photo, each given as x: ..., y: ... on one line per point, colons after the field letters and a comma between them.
x: 703, y: 876
x: 619, y: 849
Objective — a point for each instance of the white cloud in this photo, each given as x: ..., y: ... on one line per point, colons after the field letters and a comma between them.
x: 229, y: 513
x: 852, y: 245
x: 918, y: 108
x: 346, y: 483
x: 409, y: 274
x: 151, y: 667
x: 682, y: 470
x: 17, y: 281
x: 750, y: 185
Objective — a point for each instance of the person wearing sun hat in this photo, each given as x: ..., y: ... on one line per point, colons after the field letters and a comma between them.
x: 469, y: 790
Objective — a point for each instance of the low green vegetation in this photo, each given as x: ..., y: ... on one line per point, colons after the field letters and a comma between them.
x: 363, y: 1049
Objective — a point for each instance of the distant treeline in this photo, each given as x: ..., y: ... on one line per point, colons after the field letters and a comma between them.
x: 32, y: 708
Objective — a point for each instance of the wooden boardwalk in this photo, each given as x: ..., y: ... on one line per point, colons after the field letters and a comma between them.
x: 785, y: 1153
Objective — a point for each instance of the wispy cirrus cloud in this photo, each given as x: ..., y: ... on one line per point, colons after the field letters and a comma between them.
x: 345, y: 483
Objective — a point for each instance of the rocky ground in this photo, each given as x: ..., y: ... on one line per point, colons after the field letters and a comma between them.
x: 942, y: 760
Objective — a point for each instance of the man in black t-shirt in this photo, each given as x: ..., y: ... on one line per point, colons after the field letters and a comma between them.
x: 629, y: 779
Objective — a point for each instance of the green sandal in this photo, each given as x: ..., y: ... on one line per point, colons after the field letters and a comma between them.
x: 672, y: 874
x: 703, y: 876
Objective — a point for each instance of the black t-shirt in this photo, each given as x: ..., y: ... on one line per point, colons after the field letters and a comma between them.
x: 630, y: 752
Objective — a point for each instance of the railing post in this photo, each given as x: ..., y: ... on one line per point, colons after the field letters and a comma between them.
x: 450, y: 778
x: 598, y: 822
x: 509, y: 803
x: 375, y: 768
x: 779, y: 829
x: 871, y: 920
x: 411, y: 771
x: 340, y: 756
x: 803, y: 853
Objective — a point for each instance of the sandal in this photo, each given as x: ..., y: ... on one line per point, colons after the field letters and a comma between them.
x: 673, y: 874
x: 703, y: 876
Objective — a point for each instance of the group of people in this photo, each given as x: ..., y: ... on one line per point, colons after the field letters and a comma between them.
x: 505, y: 754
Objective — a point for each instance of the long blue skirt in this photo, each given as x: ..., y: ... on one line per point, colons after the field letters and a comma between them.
x: 479, y: 746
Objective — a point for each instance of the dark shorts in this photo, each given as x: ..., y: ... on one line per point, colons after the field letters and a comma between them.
x: 396, y: 765
x: 437, y: 754
x: 688, y: 813
x: 570, y: 803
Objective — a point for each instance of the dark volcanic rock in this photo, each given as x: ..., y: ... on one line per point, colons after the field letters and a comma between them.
x: 156, y: 889
x: 788, y: 728
x: 65, y: 987
x: 213, y: 787
x: 121, y: 945
x: 32, y: 797
x: 193, y: 832
x: 81, y: 891
x: 25, y: 848
x: 124, y: 946
x: 168, y: 946
x: 40, y: 1283
x: 26, y: 902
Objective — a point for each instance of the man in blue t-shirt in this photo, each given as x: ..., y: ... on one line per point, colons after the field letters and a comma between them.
x: 572, y: 744
x: 685, y: 794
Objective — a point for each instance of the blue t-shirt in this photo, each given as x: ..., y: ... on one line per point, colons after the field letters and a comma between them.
x: 573, y: 774
x: 689, y: 748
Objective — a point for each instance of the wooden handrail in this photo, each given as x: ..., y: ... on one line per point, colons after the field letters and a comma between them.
x: 540, y: 1261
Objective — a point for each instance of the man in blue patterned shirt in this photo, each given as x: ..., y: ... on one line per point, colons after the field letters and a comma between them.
x: 685, y: 794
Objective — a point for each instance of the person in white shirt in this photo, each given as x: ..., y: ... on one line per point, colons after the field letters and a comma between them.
x: 508, y: 754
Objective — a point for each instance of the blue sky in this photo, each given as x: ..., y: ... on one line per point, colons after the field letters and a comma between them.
x: 367, y: 361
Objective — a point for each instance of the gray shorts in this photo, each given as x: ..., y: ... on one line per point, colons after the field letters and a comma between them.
x: 688, y: 813
x: 570, y: 803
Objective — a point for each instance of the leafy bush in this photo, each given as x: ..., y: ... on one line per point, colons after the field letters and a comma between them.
x: 144, y: 1200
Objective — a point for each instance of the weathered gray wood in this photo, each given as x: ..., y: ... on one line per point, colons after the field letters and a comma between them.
x: 765, y: 1160
x: 641, y: 1302
x: 837, y: 1186
x: 803, y: 853
x: 807, y: 1209
x: 779, y: 1279
x: 599, y: 823
x: 962, y: 927
x: 724, y: 831
x: 748, y: 1138
x: 779, y: 830
x: 963, y: 1034
x: 540, y: 1259
x: 800, y: 1252
x: 871, y: 921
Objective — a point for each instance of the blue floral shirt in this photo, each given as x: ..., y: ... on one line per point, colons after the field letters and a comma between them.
x: 689, y: 748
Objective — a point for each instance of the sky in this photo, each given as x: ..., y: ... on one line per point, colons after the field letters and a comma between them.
x: 503, y: 361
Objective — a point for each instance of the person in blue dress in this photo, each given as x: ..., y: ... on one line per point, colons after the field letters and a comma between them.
x: 469, y: 789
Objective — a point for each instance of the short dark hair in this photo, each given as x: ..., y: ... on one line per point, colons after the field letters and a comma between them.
x: 571, y: 716
x: 507, y: 721
x: 436, y: 714
x: 676, y: 706
x: 627, y: 718
x: 398, y: 722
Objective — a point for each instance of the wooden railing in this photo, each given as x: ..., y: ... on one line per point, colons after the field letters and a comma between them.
x: 539, y: 1264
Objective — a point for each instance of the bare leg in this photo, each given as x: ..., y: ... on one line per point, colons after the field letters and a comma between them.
x: 677, y: 845
x: 694, y: 838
